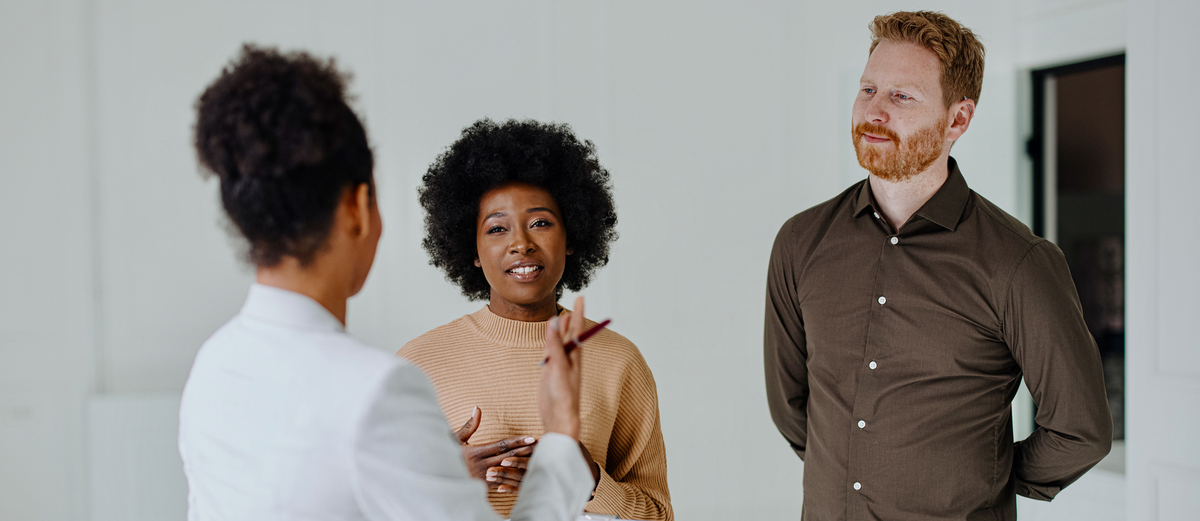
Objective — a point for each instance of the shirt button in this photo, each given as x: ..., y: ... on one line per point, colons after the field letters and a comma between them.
x: 882, y: 301
x: 862, y: 424
x: 872, y: 365
x: 876, y: 214
x: 895, y: 240
x: 857, y: 486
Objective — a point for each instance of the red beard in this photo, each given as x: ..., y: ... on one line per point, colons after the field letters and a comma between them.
x: 903, y: 159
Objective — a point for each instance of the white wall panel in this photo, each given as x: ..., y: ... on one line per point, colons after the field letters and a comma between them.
x: 1055, y: 32
x: 133, y: 458
x: 42, y: 456
x: 1163, y: 400
x: 46, y: 292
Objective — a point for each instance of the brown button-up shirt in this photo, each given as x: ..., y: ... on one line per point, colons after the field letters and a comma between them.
x: 892, y: 358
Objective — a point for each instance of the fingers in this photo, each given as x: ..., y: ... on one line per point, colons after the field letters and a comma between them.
x: 553, y: 347
x: 518, y: 463
x: 464, y: 433
x: 518, y: 446
x: 498, y: 460
x: 576, y: 327
x: 505, y: 479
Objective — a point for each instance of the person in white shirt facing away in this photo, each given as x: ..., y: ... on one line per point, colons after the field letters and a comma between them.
x: 285, y: 416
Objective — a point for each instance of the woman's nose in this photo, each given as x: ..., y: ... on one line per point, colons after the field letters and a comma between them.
x: 520, y: 242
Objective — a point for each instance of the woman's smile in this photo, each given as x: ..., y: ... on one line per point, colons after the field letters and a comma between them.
x: 525, y: 272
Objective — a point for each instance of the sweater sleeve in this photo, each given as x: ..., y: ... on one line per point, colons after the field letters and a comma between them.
x: 633, y: 481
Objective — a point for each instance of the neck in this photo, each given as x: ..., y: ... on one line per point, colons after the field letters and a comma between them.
x: 538, y: 312
x: 899, y: 200
x: 313, y: 281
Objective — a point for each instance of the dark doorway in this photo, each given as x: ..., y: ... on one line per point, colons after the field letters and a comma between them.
x: 1078, y: 151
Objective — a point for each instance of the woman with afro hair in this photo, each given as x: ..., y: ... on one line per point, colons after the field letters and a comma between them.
x: 516, y: 212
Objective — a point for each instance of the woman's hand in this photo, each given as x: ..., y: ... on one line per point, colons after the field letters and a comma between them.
x: 558, y: 392
x: 501, y: 464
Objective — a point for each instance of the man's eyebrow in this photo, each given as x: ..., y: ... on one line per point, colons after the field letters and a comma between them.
x: 540, y: 209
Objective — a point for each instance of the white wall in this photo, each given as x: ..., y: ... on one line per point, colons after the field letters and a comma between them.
x: 46, y: 307
x: 1162, y: 351
x: 717, y: 120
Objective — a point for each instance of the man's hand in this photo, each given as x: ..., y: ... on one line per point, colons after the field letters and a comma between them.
x: 501, y: 464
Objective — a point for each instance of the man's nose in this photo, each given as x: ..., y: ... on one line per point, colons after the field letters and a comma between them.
x: 876, y: 110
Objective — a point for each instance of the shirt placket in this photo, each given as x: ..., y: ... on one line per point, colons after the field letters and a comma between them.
x: 861, y: 458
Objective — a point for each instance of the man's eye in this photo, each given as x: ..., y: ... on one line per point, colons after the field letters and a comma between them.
x: 903, y: 96
x: 868, y: 90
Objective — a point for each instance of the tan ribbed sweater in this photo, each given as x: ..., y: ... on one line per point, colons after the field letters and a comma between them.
x: 491, y: 362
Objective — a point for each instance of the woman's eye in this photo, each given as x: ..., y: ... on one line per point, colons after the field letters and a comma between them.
x: 495, y: 229
x: 539, y: 223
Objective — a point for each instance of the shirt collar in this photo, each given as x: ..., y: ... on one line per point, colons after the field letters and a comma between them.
x: 282, y: 306
x: 944, y: 209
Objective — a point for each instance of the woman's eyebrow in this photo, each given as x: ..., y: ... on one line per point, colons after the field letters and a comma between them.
x: 540, y: 209
x: 494, y: 214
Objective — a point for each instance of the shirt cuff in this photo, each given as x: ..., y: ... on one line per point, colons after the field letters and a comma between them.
x: 605, y: 500
x: 1038, y: 492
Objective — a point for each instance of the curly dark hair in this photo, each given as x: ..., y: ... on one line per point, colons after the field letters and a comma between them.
x: 278, y: 132
x: 489, y: 155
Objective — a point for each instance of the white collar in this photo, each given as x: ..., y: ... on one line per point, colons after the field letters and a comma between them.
x: 279, y: 305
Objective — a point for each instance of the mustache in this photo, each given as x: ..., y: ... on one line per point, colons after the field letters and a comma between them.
x: 875, y: 130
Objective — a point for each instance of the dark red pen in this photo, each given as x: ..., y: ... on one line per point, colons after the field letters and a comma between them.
x: 571, y: 345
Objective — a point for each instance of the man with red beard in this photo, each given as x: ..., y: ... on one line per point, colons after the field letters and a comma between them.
x: 903, y: 313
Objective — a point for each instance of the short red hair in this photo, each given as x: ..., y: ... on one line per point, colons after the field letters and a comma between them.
x: 956, y: 47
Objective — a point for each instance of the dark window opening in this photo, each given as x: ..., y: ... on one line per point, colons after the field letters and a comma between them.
x: 1078, y: 152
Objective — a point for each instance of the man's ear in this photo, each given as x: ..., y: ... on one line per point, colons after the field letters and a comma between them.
x: 961, y: 113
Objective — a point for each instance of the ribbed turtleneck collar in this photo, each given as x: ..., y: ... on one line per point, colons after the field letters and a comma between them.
x: 506, y: 332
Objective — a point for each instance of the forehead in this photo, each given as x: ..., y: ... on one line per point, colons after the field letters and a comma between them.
x: 903, y: 64
x: 515, y: 197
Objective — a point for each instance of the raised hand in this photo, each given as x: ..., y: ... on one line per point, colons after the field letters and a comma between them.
x: 558, y: 391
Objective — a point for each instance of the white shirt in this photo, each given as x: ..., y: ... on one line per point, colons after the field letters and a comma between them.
x: 286, y: 417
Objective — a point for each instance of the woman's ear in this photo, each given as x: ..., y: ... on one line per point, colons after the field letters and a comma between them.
x: 477, y: 263
x: 360, y: 210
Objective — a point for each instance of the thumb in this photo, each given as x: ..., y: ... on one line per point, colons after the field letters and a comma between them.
x: 464, y: 433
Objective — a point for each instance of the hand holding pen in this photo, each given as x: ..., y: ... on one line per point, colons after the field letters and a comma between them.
x: 574, y: 343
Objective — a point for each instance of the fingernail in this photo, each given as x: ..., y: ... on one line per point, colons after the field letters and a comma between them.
x: 506, y: 463
x: 491, y: 478
x: 530, y: 440
x: 554, y: 323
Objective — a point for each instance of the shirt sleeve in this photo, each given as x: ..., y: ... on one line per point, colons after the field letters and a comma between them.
x: 1045, y: 329
x: 785, y: 352
x: 407, y: 466
x: 633, y: 481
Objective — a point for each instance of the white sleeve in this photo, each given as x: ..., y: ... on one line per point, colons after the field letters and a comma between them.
x: 407, y: 465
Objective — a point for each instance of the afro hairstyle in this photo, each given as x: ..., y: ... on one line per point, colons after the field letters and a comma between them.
x: 489, y: 155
